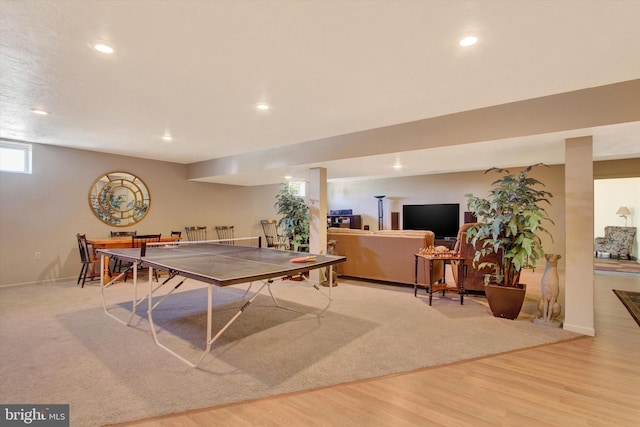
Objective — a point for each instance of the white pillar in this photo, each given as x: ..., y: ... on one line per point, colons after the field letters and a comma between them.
x: 579, y: 238
x: 317, y: 198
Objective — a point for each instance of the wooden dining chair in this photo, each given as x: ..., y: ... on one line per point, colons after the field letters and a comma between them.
x: 140, y: 241
x: 272, y: 234
x: 117, y: 265
x: 177, y: 234
x: 196, y: 233
x: 225, y: 232
x: 88, y: 259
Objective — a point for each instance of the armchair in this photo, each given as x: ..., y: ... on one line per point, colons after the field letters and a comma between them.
x: 617, y: 241
x: 474, y: 279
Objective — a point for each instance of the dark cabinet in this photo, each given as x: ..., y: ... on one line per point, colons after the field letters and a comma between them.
x: 345, y: 221
x: 448, y: 243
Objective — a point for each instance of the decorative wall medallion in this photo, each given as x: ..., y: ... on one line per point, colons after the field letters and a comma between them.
x: 119, y: 199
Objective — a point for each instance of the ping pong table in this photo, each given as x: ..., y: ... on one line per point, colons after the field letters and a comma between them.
x: 214, y: 263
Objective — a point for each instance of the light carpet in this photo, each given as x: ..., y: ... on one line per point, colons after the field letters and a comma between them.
x: 58, y: 346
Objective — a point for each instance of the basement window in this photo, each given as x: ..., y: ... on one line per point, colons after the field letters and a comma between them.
x: 298, y: 188
x: 15, y: 157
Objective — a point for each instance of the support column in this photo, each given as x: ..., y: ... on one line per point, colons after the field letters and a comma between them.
x: 317, y: 198
x: 579, y: 280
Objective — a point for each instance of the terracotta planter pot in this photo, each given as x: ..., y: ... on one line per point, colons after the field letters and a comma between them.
x: 504, y: 301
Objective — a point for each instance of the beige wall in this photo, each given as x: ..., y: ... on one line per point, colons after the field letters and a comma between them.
x: 43, y: 211
x: 443, y: 188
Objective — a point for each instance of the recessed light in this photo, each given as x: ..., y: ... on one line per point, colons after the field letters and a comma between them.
x: 468, y: 41
x: 288, y: 177
x: 397, y: 166
x: 167, y: 138
x: 262, y: 106
x: 103, y: 47
x: 40, y: 112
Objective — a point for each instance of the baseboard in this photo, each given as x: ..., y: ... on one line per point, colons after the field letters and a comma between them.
x: 41, y: 282
x: 579, y: 329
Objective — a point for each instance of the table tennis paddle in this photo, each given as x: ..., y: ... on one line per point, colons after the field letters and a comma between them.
x: 304, y: 259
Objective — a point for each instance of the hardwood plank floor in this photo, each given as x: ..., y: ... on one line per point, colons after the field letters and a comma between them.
x: 588, y: 381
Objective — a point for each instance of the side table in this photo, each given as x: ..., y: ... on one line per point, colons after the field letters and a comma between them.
x: 431, y: 287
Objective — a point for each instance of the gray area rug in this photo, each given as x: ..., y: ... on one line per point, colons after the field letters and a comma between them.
x: 58, y: 346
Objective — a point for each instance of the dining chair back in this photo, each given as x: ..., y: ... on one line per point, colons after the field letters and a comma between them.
x: 88, y: 260
x: 272, y: 234
x: 196, y: 233
x: 225, y: 232
x: 177, y: 234
x: 117, y: 264
x: 140, y: 241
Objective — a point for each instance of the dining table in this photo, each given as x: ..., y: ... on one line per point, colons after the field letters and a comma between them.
x: 117, y: 243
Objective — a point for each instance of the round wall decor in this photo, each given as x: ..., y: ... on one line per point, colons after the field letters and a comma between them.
x: 119, y: 199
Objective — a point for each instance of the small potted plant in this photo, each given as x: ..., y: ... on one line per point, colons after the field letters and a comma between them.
x: 295, y: 219
x: 509, y: 223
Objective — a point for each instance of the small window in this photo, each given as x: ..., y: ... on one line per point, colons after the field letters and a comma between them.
x: 298, y: 188
x: 15, y: 157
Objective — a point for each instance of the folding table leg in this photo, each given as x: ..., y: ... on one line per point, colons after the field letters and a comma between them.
x: 211, y: 339
x: 103, y: 285
x: 317, y: 288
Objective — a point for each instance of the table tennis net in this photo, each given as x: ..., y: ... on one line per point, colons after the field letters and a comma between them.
x: 210, y: 247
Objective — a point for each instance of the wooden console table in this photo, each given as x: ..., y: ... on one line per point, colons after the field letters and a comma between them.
x: 431, y: 287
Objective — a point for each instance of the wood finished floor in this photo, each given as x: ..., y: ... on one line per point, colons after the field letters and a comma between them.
x: 588, y: 381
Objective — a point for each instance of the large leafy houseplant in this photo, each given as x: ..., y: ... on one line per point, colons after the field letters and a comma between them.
x: 295, y: 218
x: 510, y: 221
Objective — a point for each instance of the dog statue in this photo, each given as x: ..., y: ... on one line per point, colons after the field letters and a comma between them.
x: 548, y: 306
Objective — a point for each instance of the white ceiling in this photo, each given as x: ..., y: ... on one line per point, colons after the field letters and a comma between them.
x: 196, y: 69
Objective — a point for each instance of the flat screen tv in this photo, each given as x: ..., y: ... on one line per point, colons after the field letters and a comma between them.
x: 443, y: 219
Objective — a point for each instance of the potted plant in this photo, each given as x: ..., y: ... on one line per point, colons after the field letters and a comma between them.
x: 509, y: 223
x: 295, y: 219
